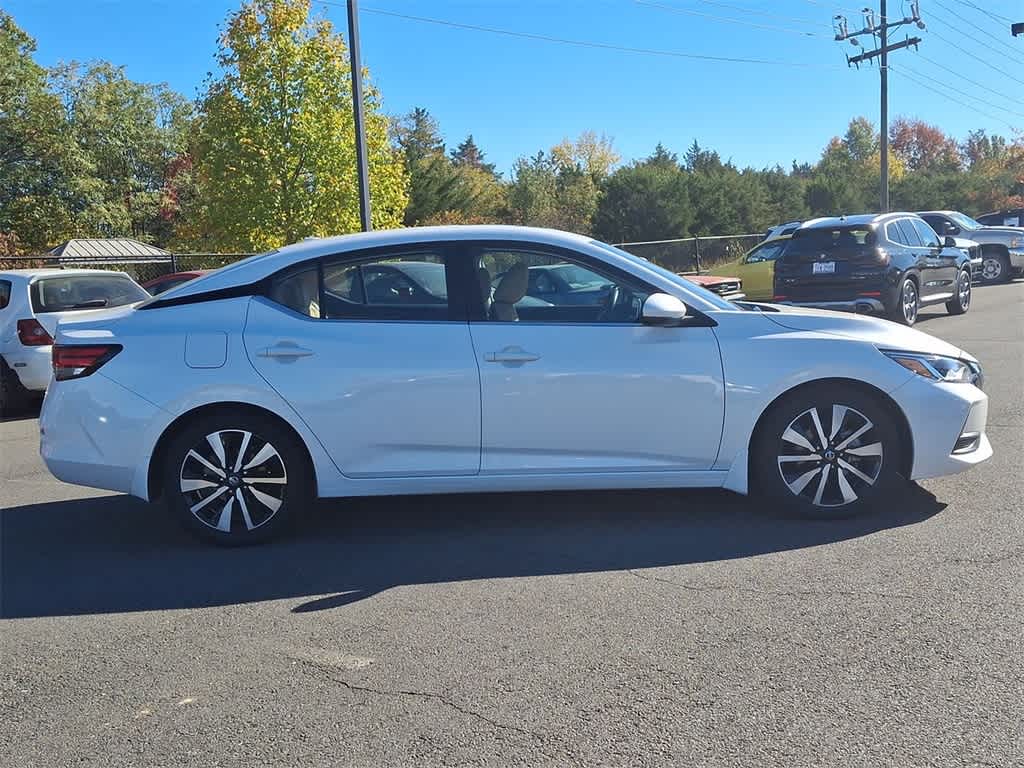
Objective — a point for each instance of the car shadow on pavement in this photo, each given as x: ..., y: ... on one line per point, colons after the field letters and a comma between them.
x: 116, y: 554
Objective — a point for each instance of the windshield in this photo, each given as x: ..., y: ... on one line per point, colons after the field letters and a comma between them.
x: 964, y: 222
x: 62, y: 293
x: 708, y: 296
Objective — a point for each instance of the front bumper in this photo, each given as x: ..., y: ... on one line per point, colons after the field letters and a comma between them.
x: 90, y: 432
x: 940, y: 415
x: 32, y: 365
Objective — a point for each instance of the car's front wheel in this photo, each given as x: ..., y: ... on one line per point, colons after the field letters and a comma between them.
x: 826, y: 451
x: 236, y: 477
x: 995, y: 267
x: 961, y: 302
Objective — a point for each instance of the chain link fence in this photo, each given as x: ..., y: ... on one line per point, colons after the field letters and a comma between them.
x: 141, y: 269
x: 694, y: 254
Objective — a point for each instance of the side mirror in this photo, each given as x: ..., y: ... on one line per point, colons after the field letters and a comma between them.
x: 952, y: 229
x: 663, y: 310
x: 949, y: 242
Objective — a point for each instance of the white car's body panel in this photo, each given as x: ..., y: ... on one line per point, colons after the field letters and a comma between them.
x: 32, y: 363
x: 420, y: 407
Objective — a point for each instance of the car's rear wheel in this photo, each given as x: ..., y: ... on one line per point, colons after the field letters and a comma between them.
x: 908, y: 303
x: 961, y: 302
x: 236, y: 477
x: 14, y: 398
x: 828, y: 451
x: 995, y: 267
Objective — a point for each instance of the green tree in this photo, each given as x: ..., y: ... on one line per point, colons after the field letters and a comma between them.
x: 468, y: 154
x: 648, y: 200
x: 127, y: 135
x: 37, y: 153
x: 274, y: 148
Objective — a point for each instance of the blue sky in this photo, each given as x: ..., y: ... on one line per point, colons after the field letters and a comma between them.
x: 518, y: 95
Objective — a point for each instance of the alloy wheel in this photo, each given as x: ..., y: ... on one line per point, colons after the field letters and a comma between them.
x: 233, y: 478
x: 830, y: 468
x: 909, y: 302
x: 991, y: 269
x: 964, y: 290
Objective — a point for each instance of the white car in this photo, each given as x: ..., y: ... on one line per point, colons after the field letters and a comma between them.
x: 32, y: 301
x: 393, y: 363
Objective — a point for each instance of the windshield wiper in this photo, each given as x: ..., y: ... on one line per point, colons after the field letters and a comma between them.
x: 91, y: 304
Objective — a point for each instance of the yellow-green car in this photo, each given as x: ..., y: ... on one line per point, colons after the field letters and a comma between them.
x: 757, y: 268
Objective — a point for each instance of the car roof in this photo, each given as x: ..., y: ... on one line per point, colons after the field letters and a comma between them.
x: 936, y: 213
x: 262, y: 265
x: 30, y: 274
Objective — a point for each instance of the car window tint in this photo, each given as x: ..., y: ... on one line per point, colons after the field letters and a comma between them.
x: 65, y: 293
x: 298, y: 291
x: 910, y: 234
x: 5, y: 293
x: 927, y: 234
x: 895, y: 234
x: 410, y: 286
x: 538, y: 287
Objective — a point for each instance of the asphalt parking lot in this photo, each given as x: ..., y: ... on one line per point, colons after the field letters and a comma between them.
x: 642, y: 628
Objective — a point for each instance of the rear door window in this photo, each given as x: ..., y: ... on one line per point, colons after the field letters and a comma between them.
x: 910, y: 233
x: 928, y: 236
x: 65, y: 293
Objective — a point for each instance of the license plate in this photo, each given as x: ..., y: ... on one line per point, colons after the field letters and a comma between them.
x: 823, y: 268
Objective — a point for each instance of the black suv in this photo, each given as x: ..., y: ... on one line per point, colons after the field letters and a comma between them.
x: 891, y: 264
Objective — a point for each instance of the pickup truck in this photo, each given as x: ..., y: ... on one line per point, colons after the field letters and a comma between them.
x: 1002, y: 248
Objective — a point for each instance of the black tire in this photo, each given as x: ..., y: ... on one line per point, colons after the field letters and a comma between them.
x: 283, y: 477
x: 908, y: 303
x: 995, y: 267
x: 814, y: 488
x: 14, y: 398
x: 961, y: 301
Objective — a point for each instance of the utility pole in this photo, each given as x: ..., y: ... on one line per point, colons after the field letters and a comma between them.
x: 362, y: 170
x: 880, y: 33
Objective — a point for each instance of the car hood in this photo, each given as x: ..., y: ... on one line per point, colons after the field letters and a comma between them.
x: 708, y: 280
x: 882, y: 333
x: 1005, y: 233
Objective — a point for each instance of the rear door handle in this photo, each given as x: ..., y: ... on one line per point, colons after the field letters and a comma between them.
x: 511, y: 355
x: 286, y: 351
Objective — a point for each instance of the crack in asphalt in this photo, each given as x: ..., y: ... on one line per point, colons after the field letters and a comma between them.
x: 429, y: 695
x: 772, y: 592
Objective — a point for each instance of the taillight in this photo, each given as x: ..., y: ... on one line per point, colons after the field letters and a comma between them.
x: 32, y: 334
x: 71, y: 361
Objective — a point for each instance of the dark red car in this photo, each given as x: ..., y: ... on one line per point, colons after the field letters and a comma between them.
x: 173, y: 280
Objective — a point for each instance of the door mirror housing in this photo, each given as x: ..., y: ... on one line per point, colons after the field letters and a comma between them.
x: 949, y: 242
x: 664, y: 310
x: 951, y: 229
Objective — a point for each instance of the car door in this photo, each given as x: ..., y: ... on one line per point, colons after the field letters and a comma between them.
x: 563, y: 391
x: 940, y: 275
x: 376, y: 358
x: 757, y: 270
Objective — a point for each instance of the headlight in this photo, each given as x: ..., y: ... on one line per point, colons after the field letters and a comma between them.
x: 1015, y: 242
x: 937, y: 367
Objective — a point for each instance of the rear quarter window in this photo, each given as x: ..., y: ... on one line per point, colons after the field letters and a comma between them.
x: 5, y: 293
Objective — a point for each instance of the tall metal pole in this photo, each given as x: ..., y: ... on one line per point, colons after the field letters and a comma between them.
x: 885, y: 109
x: 357, y: 115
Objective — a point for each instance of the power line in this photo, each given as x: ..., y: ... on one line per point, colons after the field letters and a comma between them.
x: 991, y: 14
x: 974, y: 56
x: 971, y: 96
x: 725, y: 19
x: 945, y: 95
x: 981, y: 29
x: 969, y: 80
x: 758, y: 12
x: 584, y: 43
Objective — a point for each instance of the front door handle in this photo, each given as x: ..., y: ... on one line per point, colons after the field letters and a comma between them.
x: 512, y: 355
x: 286, y: 351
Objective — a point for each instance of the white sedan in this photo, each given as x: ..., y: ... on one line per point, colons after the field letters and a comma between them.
x: 415, y: 361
